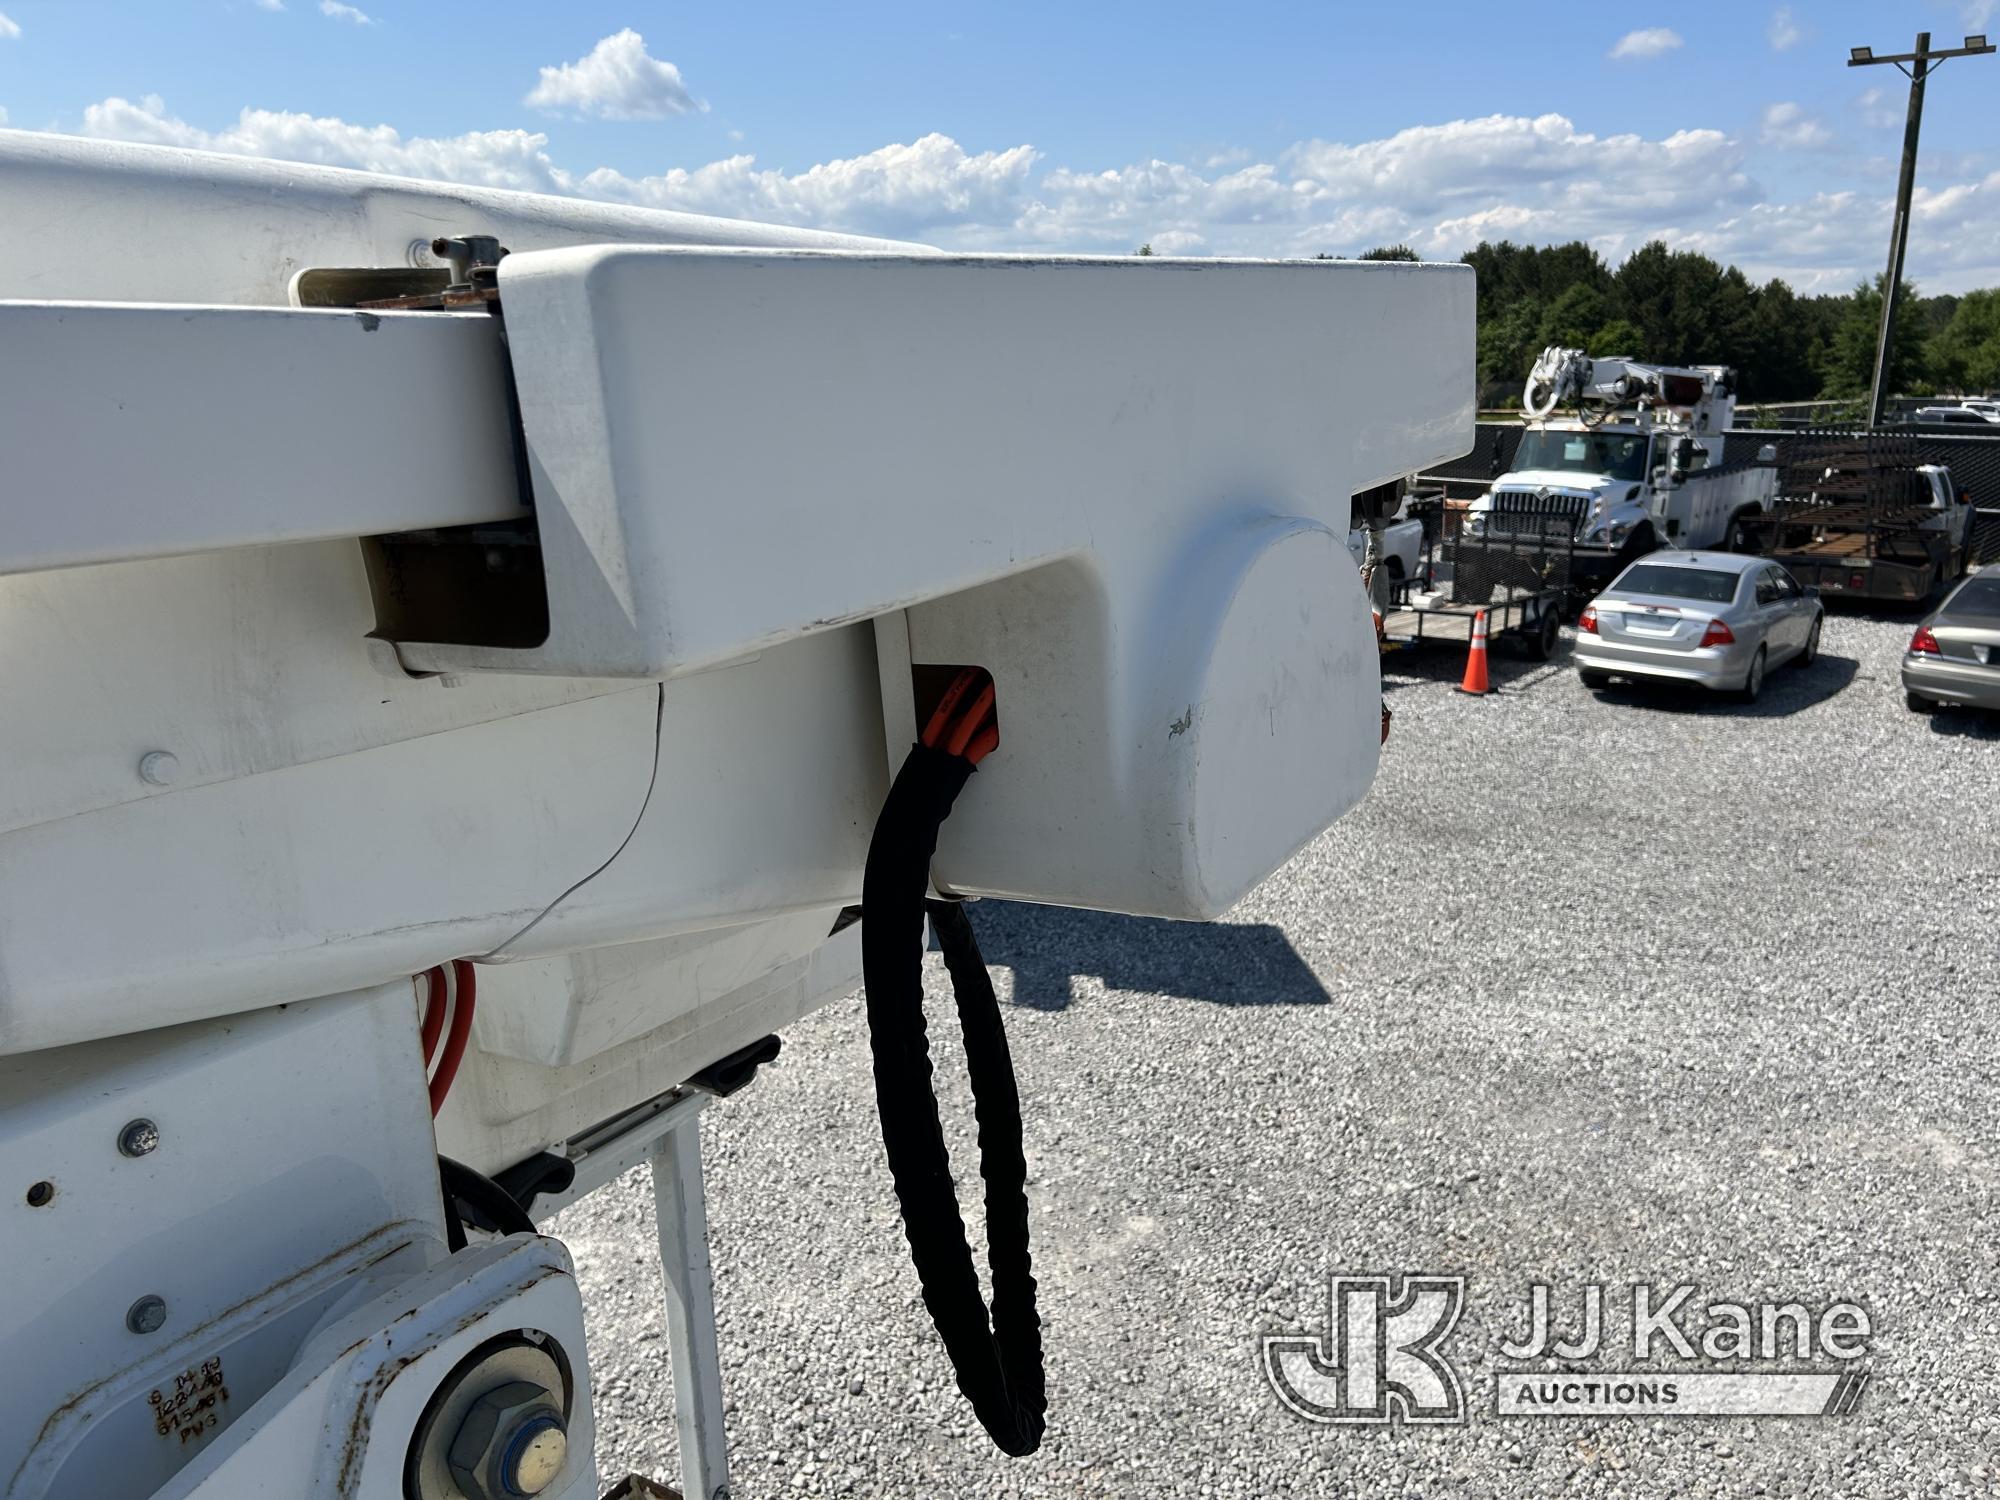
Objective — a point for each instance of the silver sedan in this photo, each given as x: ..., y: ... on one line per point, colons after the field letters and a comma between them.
x: 1713, y: 618
x: 1954, y: 657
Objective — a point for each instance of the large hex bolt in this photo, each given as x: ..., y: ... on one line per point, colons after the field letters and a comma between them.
x: 512, y: 1443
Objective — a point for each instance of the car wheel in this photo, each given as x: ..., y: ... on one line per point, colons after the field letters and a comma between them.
x: 1739, y: 536
x: 1594, y: 680
x: 1917, y: 703
x: 1753, y: 681
x: 1811, y: 653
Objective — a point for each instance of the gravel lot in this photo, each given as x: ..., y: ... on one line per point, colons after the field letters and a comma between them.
x: 1621, y: 988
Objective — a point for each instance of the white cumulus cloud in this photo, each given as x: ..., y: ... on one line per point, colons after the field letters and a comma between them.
x: 1784, y: 32
x: 1787, y: 124
x: 1437, y: 188
x: 1651, y: 41
x: 911, y: 191
x: 486, y: 158
x: 616, y: 80
x: 10, y: 28
x: 348, y: 13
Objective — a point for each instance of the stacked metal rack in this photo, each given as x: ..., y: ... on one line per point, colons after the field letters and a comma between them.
x: 1855, y: 515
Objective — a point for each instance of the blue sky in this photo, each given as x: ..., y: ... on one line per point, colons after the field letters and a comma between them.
x: 1205, y: 129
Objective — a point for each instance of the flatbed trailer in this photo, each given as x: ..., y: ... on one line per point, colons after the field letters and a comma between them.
x: 1892, y: 554
x: 1521, y: 581
x: 1858, y: 517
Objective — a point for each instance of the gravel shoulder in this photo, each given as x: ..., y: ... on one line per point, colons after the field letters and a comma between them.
x: 1622, y: 987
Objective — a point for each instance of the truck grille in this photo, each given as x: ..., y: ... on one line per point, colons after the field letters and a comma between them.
x: 1528, y: 512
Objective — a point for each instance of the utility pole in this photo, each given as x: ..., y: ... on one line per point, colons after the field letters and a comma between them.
x: 1922, y: 63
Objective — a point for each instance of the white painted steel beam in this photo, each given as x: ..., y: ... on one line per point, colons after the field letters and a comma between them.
x: 138, y: 431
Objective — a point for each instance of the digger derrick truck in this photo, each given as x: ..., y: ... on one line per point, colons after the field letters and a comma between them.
x: 463, y: 653
x: 1630, y: 454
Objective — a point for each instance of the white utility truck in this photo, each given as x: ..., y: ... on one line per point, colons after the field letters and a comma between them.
x: 463, y: 652
x: 1635, y: 462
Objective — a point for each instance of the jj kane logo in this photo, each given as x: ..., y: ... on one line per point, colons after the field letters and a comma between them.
x: 1385, y: 1356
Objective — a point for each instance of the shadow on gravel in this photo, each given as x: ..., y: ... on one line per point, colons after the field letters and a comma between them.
x: 1440, y: 661
x: 1219, y: 963
x: 1787, y: 691
x: 1888, y: 611
x: 1966, y: 723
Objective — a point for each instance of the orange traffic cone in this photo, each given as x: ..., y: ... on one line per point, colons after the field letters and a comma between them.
x: 1475, y: 659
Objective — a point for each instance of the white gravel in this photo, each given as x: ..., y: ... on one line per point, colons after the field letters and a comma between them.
x: 1618, y: 988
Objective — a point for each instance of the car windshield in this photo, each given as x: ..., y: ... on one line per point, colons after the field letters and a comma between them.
x: 1621, y: 455
x: 1710, y: 585
x: 1976, y: 596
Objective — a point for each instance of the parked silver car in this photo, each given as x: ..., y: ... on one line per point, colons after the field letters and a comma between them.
x: 1954, y: 657
x: 1714, y: 618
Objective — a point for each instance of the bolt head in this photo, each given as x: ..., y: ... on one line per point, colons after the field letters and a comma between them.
x: 511, y: 1444
x: 139, y: 1138
x: 146, y: 1315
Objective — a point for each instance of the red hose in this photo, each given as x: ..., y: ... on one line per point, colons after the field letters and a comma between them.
x: 455, y: 1039
x: 433, y: 1026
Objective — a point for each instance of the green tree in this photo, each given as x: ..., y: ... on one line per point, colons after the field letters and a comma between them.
x: 1145, y: 249
x: 1965, y: 353
x: 1778, y: 365
x: 1690, y: 309
x: 1389, y: 252
x: 1847, y: 366
x: 1507, y: 348
x: 1575, y: 317
x: 1617, y: 337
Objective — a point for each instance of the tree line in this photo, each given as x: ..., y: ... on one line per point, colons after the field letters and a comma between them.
x: 1680, y: 307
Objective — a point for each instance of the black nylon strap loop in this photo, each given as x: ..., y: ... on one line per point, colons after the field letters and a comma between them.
x: 998, y: 1359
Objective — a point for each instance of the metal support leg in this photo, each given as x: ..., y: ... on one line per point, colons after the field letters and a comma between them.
x: 677, y: 1197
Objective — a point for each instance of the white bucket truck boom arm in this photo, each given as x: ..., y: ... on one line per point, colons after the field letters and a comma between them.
x: 550, y: 626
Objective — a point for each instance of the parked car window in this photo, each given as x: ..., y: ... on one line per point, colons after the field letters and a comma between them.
x: 1768, y: 591
x: 1708, y: 584
x: 1976, y: 596
x: 1788, y: 586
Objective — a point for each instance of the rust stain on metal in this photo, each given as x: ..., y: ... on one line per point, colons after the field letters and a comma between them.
x: 195, y: 1335
x: 354, y: 1446
x: 454, y: 297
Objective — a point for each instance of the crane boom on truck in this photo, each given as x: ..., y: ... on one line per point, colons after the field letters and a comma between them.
x: 415, y: 596
x: 1634, y: 461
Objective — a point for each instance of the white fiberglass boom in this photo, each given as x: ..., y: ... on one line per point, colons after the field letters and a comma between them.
x: 573, y: 624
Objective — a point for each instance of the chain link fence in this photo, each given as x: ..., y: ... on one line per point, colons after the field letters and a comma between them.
x: 1526, y: 550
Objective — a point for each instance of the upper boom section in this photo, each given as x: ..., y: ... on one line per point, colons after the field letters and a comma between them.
x: 105, y: 221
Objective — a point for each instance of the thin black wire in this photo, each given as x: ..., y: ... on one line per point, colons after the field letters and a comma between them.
x: 659, y: 721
